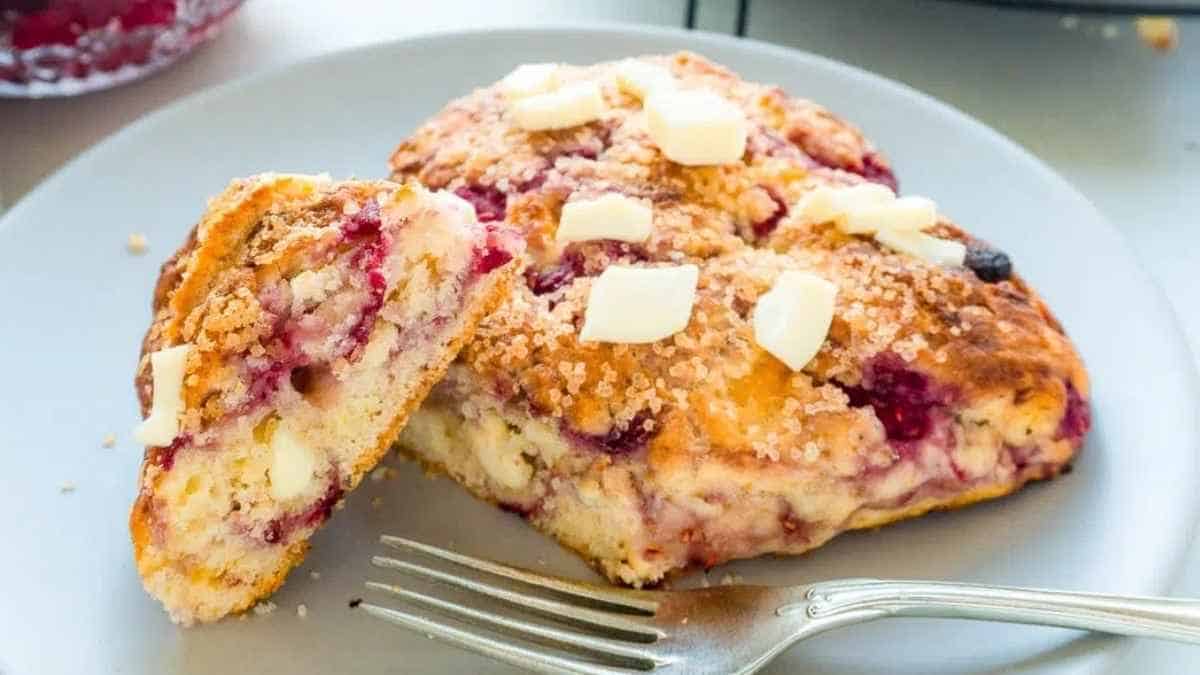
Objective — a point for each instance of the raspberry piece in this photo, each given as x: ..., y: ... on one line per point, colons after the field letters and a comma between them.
x: 619, y: 441
x: 569, y: 266
x: 764, y: 227
x: 365, y: 222
x: 876, y: 171
x: 493, y: 253
x: 1076, y: 420
x: 321, y: 511
x: 165, y: 457
x: 490, y: 258
x: 371, y: 260
x: 490, y: 204
x: 573, y: 263
x: 901, y: 398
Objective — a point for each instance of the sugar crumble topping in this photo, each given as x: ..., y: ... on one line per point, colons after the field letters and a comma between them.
x: 742, y: 225
x: 936, y: 377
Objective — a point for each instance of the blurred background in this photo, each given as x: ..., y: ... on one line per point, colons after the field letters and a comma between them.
x: 1108, y: 101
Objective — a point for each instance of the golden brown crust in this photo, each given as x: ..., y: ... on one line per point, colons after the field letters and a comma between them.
x: 213, y: 295
x: 982, y: 339
x: 230, y: 225
x: 998, y: 379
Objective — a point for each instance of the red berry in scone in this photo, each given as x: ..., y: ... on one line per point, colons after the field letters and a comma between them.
x: 293, y: 334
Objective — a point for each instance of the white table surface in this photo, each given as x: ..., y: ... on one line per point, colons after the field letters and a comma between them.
x: 1117, y: 120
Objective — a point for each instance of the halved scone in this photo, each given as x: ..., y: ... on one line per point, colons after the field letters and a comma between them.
x: 293, y: 334
x: 938, y: 377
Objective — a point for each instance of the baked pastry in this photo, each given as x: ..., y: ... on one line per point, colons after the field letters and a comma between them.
x: 293, y: 334
x: 937, y: 376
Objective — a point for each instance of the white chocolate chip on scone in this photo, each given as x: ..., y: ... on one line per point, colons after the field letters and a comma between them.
x: 638, y: 305
x: 696, y: 127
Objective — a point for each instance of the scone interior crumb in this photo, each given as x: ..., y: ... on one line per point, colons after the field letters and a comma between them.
x: 309, y: 342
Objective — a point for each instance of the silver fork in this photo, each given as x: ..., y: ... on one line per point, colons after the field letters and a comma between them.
x: 595, y: 629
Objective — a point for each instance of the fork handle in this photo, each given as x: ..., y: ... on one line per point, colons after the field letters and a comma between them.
x: 837, y: 603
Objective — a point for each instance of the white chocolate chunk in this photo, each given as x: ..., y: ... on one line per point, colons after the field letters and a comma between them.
x: 641, y: 79
x: 815, y: 206
x: 611, y: 216
x: 292, y: 464
x: 569, y: 106
x: 860, y: 196
x: 637, y: 305
x: 500, y: 453
x: 824, y: 204
x: 530, y: 79
x: 461, y: 209
x: 908, y: 214
x: 868, y: 208
x: 935, y: 250
x: 792, y: 319
x: 696, y: 128
x: 167, y: 369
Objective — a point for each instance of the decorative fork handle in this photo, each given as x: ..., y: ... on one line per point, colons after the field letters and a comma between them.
x: 837, y: 603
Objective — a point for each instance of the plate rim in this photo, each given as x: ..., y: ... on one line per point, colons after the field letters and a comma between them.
x: 1174, y: 340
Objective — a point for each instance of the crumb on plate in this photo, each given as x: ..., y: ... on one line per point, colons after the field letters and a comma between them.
x: 1160, y: 33
x: 137, y: 243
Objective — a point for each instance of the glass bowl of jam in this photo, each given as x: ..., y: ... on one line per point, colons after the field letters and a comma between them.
x: 68, y: 47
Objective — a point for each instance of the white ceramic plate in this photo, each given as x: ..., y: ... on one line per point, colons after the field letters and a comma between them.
x: 75, y: 304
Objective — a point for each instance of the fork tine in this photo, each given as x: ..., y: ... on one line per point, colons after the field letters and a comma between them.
x: 640, y: 659
x: 591, y: 592
x: 517, y: 655
x: 564, y: 610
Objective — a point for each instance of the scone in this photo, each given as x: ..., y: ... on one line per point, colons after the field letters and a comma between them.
x: 734, y: 337
x: 293, y: 334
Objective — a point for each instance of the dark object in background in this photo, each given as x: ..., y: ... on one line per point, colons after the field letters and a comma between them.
x: 743, y: 12
x: 1124, y: 7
